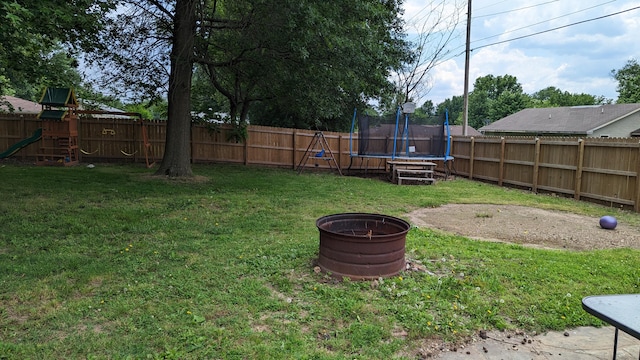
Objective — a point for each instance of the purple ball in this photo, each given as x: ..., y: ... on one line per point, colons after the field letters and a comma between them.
x: 608, y: 222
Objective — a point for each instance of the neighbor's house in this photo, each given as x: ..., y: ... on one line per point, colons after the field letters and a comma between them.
x: 18, y: 105
x: 456, y: 130
x: 604, y: 121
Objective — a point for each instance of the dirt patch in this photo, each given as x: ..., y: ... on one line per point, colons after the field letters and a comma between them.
x: 527, y: 226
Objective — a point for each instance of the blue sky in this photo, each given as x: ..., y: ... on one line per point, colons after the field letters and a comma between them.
x: 576, y: 58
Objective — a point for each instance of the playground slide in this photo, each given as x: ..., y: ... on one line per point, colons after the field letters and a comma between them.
x: 21, y: 144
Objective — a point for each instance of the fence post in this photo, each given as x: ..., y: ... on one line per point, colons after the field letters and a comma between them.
x: 579, y: 169
x: 636, y: 206
x: 293, y: 152
x: 134, y: 141
x: 473, y: 147
x: 340, y: 151
x: 501, y: 170
x: 536, y: 166
x: 245, y: 148
x: 191, y: 141
x: 23, y: 135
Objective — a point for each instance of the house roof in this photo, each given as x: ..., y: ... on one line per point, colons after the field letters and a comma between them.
x: 457, y: 130
x: 19, y: 105
x: 102, y: 111
x: 562, y: 120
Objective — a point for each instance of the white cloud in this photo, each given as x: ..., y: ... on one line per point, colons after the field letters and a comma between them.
x: 577, y: 58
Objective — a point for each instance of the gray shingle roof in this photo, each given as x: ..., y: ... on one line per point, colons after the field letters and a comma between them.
x: 456, y: 130
x: 19, y: 105
x: 562, y: 120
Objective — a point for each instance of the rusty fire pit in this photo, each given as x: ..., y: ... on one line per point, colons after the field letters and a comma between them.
x: 362, y: 246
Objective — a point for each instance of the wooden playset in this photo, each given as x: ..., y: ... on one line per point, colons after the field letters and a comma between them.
x: 59, y: 115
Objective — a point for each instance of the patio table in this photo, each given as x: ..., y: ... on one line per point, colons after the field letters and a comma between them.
x: 621, y: 311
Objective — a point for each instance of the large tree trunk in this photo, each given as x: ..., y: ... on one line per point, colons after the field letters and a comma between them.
x: 176, y: 161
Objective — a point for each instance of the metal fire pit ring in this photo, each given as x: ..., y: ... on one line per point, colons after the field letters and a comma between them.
x: 362, y: 246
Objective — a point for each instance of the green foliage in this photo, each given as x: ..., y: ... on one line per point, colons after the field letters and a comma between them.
x: 305, y: 63
x: 39, y: 40
x: 205, y: 99
x: 425, y: 114
x: 628, y: 82
x: 308, y: 62
x: 494, y: 97
x: 150, y: 110
x: 56, y: 69
x: 554, y: 97
x: 111, y: 262
x: 455, y: 106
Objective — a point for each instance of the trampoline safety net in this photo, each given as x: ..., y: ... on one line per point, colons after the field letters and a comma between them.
x: 398, y: 136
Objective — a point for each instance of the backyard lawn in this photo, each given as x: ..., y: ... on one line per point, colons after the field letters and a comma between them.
x: 111, y: 263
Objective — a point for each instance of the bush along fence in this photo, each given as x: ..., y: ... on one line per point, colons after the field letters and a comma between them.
x: 592, y: 169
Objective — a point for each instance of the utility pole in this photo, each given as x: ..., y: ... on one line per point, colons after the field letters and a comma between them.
x: 466, y: 72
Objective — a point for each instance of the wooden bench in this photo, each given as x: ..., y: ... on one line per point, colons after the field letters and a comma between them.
x: 420, y: 171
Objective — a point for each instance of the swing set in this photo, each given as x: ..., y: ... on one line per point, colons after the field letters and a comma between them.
x: 148, y: 151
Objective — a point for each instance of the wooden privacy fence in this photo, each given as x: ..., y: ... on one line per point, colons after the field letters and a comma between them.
x: 594, y: 169
x: 121, y: 140
x: 601, y: 170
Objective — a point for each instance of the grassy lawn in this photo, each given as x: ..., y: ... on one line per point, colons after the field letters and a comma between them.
x: 112, y: 263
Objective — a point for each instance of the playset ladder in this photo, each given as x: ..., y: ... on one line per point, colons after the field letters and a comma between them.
x: 318, y: 149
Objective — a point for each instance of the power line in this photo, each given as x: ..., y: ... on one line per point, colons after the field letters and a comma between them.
x: 542, y: 22
x: 492, y: 5
x: 428, y: 6
x: 455, y: 55
x: 506, y: 32
x: 521, y: 37
x: 557, y: 28
x: 514, y: 10
x: 435, y: 7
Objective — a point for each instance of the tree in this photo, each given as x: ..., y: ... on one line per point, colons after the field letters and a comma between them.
x: 312, y: 58
x: 206, y: 103
x: 135, y: 65
x: 552, y: 97
x: 455, y: 107
x: 305, y: 63
x: 57, y: 69
x: 176, y: 161
x: 436, y: 28
x: 425, y: 114
x: 628, y: 82
x: 493, y: 98
x: 37, y: 37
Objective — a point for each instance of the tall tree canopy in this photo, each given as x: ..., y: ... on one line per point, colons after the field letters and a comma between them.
x: 436, y: 27
x: 553, y: 97
x: 455, y: 107
x: 495, y: 97
x: 40, y: 39
x: 308, y: 62
x: 628, y: 82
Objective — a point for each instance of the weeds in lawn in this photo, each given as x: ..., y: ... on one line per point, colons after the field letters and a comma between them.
x: 112, y: 263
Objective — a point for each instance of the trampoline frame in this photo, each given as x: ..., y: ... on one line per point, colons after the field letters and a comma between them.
x: 447, y: 154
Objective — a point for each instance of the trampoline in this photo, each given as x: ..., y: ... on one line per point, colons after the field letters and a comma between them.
x: 399, y: 138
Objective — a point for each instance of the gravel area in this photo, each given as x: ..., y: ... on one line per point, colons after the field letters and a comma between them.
x: 527, y: 226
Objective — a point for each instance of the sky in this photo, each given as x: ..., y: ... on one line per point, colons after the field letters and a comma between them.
x: 575, y: 58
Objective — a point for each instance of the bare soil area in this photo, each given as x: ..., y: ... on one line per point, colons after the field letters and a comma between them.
x: 527, y: 226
